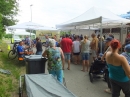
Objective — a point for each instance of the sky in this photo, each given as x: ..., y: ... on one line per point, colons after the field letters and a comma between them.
x: 52, y: 12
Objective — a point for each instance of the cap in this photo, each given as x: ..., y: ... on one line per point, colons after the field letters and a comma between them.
x: 127, y: 48
x: 100, y: 54
x: 108, y: 39
x: 111, y: 36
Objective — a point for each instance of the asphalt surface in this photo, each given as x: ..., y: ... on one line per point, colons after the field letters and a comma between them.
x: 78, y: 83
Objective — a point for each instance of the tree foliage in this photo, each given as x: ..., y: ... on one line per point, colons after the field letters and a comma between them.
x: 8, y: 10
x: 63, y: 33
x: 33, y: 31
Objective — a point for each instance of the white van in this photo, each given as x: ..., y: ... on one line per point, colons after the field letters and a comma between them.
x: 15, y: 39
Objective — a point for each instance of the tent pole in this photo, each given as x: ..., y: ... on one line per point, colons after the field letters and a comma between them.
x: 121, y: 35
x: 30, y: 37
x: 110, y: 30
x: 101, y: 34
x: 89, y: 30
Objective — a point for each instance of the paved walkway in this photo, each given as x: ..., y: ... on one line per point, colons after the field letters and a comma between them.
x: 78, y: 83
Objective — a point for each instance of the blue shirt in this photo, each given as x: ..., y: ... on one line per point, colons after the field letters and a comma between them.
x: 56, y: 44
x: 20, y: 49
x: 117, y: 73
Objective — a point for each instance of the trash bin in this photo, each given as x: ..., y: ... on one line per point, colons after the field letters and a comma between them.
x: 35, y: 65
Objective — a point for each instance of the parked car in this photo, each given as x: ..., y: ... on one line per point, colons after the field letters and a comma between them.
x: 15, y: 39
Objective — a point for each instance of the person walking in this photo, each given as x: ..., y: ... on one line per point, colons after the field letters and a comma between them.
x: 66, y: 45
x: 55, y: 59
x: 119, y: 70
x: 85, y: 50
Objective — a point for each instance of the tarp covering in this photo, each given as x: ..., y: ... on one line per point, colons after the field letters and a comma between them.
x: 42, y: 85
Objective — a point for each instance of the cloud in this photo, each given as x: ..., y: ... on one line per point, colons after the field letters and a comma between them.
x: 52, y: 12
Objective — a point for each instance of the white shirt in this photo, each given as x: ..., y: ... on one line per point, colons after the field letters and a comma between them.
x: 76, y: 46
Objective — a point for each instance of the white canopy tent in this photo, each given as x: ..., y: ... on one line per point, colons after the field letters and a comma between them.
x: 23, y: 33
x: 95, y: 18
x: 30, y: 26
x: 26, y: 25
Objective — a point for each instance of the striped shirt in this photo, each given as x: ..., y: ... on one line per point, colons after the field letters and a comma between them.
x: 127, y: 56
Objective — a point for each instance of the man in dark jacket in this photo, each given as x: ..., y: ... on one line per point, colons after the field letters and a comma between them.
x: 38, y: 47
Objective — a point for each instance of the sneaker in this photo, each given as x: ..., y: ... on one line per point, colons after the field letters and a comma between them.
x: 108, y: 91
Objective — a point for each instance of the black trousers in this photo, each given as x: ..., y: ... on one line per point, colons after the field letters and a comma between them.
x: 107, y: 78
x: 116, y: 87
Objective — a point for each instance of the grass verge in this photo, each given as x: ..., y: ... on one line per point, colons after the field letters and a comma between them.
x: 9, y: 83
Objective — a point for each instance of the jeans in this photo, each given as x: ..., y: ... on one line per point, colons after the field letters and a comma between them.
x: 117, y: 86
x: 39, y: 53
x: 67, y: 56
x: 58, y: 74
x: 85, y: 56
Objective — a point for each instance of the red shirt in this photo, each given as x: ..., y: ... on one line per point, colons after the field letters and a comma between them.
x: 66, y: 45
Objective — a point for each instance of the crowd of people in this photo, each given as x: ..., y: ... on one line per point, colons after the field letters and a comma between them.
x: 59, y: 51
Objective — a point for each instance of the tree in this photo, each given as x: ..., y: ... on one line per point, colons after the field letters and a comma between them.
x: 62, y: 33
x: 8, y: 10
x: 33, y: 31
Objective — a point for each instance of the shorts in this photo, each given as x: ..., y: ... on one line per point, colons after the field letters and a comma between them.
x: 94, y: 53
x: 85, y: 56
x: 67, y: 56
x: 76, y: 54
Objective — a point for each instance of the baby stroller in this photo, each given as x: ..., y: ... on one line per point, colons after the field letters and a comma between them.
x: 98, y: 67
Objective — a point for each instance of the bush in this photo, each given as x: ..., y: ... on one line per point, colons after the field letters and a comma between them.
x: 8, y: 36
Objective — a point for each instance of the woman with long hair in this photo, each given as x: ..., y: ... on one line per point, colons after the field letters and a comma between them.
x: 119, y: 70
x: 85, y: 50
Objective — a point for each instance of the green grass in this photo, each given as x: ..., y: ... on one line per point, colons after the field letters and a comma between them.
x: 9, y: 83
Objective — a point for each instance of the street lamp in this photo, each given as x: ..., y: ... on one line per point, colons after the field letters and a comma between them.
x: 31, y: 21
x: 31, y: 11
